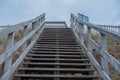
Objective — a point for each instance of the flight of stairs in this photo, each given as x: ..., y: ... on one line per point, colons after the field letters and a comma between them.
x: 56, y: 56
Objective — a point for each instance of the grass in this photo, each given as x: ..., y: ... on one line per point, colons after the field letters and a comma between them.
x: 3, y: 44
x: 18, y: 35
x: 113, y: 47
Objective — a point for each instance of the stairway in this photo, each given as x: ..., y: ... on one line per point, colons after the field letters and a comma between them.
x: 56, y: 56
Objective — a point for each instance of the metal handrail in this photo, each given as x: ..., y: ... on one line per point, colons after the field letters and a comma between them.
x: 110, y: 27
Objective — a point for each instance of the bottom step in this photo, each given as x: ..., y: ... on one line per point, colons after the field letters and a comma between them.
x: 77, y: 76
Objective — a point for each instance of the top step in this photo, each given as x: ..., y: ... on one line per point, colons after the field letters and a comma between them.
x: 55, y: 24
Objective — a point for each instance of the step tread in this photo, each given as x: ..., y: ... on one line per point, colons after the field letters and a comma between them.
x: 72, y: 64
x: 57, y: 49
x: 55, y: 69
x: 54, y: 44
x: 54, y: 47
x: 52, y: 55
x: 56, y: 59
x: 61, y: 76
x: 56, y: 52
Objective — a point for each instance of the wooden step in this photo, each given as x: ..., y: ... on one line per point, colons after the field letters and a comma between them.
x: 54, y: 47
x: 86, y: 71
x: 47, y: 39
x: 66, y: 64
x: 46, y: 55
x: 53, y: 53
x: 59, y: 38
x: 56, y: 41
x: 36, y: 76
x: 59, y: 45
x: 55, y: 69
x: 45, y: 49
x: 55, y: 59
x: 70, y: 41
x: 60, y: 52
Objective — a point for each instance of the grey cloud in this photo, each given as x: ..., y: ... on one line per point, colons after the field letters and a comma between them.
x: 99, y: 11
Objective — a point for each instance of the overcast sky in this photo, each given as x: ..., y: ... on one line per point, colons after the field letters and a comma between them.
x: 99, y: 11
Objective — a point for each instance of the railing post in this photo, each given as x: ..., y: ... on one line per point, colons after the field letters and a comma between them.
x: 80, y: 30
x: 24, y: 34
x: 39, y: 21
x: 10, y: 43
x: 119, y: 29
x: 34, y: 25
x: 89, y: 39
x: 103, y: 45
x: 71, y: 22
x: 73, y: 25
x: 76, y: 27
x: 82, y: 33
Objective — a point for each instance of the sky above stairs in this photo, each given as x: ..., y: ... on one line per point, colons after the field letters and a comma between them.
x: 99, y: 11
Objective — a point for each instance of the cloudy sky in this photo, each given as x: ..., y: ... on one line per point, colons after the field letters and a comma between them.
x: 99, y: 11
